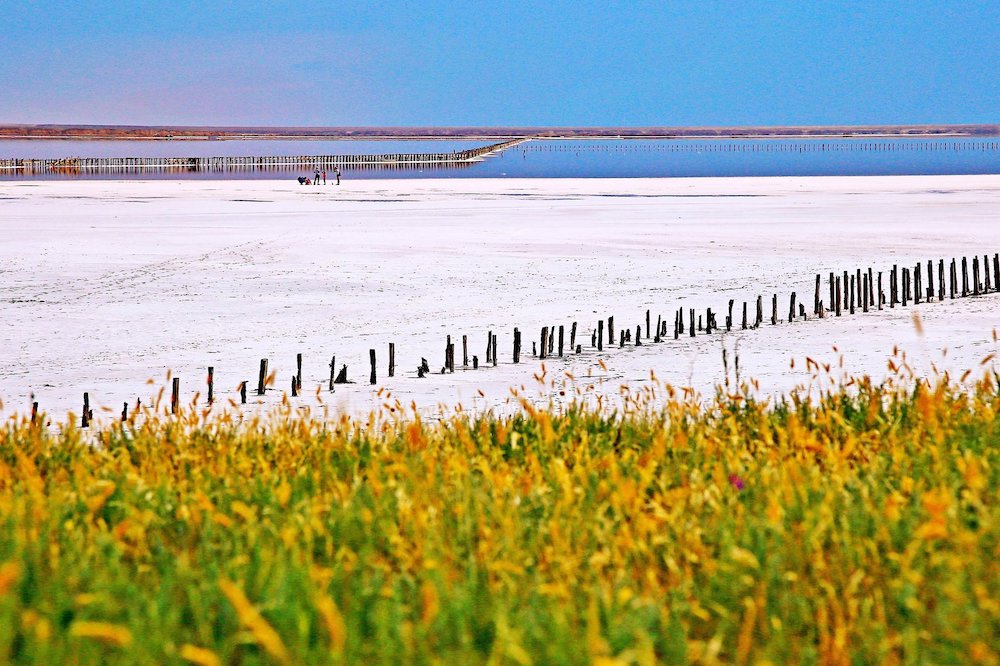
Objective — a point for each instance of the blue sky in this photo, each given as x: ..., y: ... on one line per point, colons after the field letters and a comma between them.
x: 500, y: 63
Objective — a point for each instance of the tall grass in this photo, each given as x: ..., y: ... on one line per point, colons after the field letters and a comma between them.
x: 860, y: 527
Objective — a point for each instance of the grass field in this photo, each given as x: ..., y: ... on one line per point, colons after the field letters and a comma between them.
x: 858, y: 528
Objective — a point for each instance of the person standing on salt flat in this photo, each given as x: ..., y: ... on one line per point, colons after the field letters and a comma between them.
x: 337, y: 171
x: 324, y: 177
x: 316, y: 179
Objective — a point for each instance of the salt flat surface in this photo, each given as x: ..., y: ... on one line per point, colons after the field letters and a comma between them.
x: 106, y: 284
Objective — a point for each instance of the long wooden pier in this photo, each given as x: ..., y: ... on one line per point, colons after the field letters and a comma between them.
x: 270, y: 162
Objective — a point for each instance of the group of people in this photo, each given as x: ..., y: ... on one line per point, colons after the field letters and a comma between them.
x: 306, y: 180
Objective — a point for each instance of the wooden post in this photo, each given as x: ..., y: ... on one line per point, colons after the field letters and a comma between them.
x: 871, y: 287
x: 85, y: 419
x: 917, y: 283
x: 864, y: 292
x: 475, y: 362
x: 791, y: 308
x: 517, y: 345
x: 562, y: 332
x: 760, y: 311
x: 333, y: 370
x: 572, y: 336
x: 965, y: 277
x: 975, y: 275
x: 211, y: 385
x: 175, y: 395
x: 341, y: 376
x: 930, y: 281
x: 953, y: 282
x: 243, y: 392
x: 465, y: 351
x: 834, y: 289
x: 906, y: 286
x: 371, y: 357
x: 489, y: 345
x: 986, y: 274
x: 743, y: 326
x: 545, y: 342
x: 392, y: 359
x: 816, y: 297
x: 124, y: 412
x: 996, y: 271
x: 881, y: 294
x: 494, y: 350
x: 846, y: 285
x: 853, y: 290
x: 774, y: 310
x: 692, y: 323
x: 262, y: 377
x: 941, y: 279
x: 34, y: 411
x: 295, y: 386
x: 647, y: 327
x: 729, y: 317
x: 621, y: 342
x: 298, y: 371
x: 611, y: 330
x: 837, y: 296
x: 600, y: 335
x: 659, y: 328
x: 638, y: 341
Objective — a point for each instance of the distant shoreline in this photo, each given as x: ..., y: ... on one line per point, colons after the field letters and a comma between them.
x: 169, y: 133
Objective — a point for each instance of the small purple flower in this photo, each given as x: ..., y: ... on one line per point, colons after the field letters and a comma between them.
x: 736, y: 482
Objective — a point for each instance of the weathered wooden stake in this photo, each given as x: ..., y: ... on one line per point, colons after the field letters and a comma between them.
x: 647, y: 327
x: 333, y: 370
x: 262, y: 376
x: 34, y: 411
x: 175, y: 395
x: 124, y: 412
x: 494, y: 350
x: 837, y: 296
x: 854, y: 289
x: 211, y: 385
x: 975, y: 275
x: 572, y: 336
x: 342, y: 375
x: 243, y: 392
x: 489, y: 346
x: 562, y: 332
x: 475, y: 362
x: 693, y: 322
x: 930, y: 280
x: 465, y: 351
x: 729, y: 317
x: 791, y: 308
x: 545, y: 341
x: 85, y: 419
x: 295, y: 386
x: 611, y: 330
x: 760, y: 312
x: 965, y: 277
x: 392, y: 359
x: 816, y: 297
x: 298, y: 371
x: 517, y: 345
x: 659, y: 328
x: 371, y: 357
x: 638, y: 341
x: 600, y: 335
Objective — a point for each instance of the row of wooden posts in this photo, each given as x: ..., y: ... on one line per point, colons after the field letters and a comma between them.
x: 253, y: 162
x: 849, y: 291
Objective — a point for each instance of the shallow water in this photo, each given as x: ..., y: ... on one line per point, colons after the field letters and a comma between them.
x: 555, y: 158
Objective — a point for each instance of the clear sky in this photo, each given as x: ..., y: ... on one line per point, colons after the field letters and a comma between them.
x: 407, y: 62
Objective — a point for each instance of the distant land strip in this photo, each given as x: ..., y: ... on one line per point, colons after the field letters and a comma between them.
x: 191, y: 133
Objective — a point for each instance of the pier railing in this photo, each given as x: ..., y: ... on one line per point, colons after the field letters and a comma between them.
x: 126, y: 164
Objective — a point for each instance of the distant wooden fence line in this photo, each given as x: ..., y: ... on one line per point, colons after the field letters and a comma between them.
x: 765, y: 145
x: 855, y: 291
x: 270, y: 162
